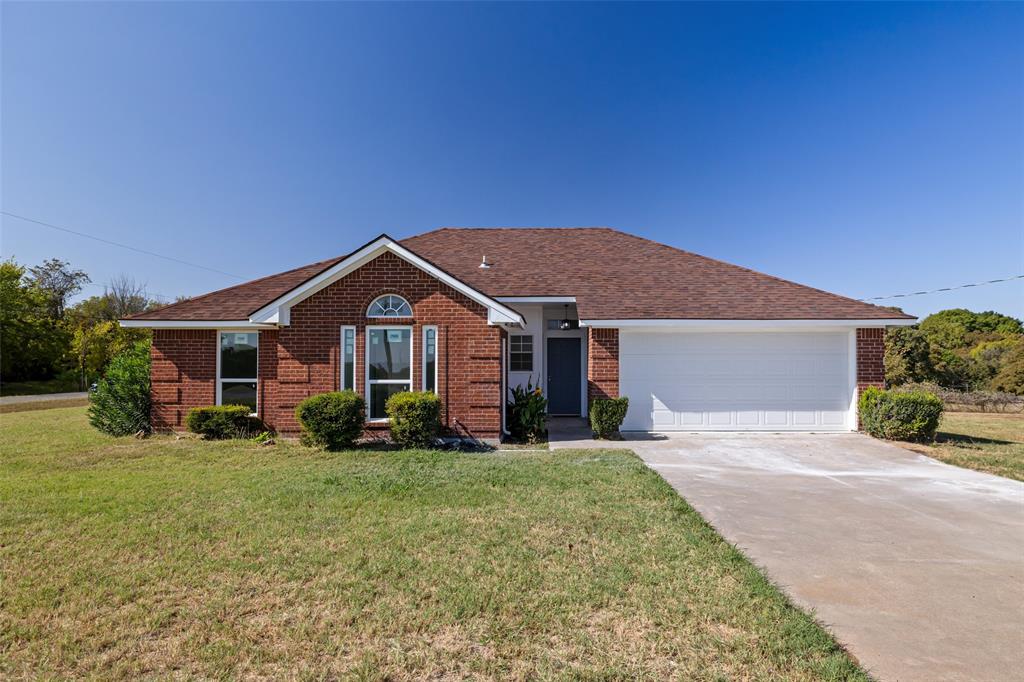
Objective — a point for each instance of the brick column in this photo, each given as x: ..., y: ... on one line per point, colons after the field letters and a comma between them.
x: 602, y: 363
x: 870, y: 358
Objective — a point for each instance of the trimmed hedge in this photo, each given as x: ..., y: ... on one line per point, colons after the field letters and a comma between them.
x: 911, y: 416
x: 606, y: 416
x: 332, y: 420
x: 415, y: 418
x: 218, y: 422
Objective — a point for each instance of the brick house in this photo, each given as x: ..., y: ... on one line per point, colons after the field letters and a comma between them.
x: 695, y: 343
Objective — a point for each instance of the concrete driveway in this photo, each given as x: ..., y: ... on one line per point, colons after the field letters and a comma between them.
x: 916, y: 566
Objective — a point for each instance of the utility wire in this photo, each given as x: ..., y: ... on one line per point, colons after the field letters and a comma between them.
x: 935, y: 291
x: 123, y: 246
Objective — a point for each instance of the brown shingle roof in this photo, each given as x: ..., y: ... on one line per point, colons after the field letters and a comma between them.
x: 613, y: 275
x: 617, y: 276
x: 238, y: 302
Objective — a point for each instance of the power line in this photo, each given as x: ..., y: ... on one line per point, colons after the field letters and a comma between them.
x: 936, y: 291
x: 123, y: 246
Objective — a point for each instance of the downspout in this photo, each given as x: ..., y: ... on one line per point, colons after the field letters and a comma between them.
x: 504, y: 389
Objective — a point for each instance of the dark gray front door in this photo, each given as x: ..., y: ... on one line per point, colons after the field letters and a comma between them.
x: 564, y: 376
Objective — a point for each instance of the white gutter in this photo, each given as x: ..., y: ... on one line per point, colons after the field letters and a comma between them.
x: 193, y: 324
x: 748, y: 324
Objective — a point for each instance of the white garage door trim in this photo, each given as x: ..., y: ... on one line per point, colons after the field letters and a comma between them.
x: 738, y: 381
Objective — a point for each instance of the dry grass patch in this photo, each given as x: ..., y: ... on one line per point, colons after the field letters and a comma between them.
x: 162, y: 557
x: 33, y: 405
x: 987, y: 442
x: 993, y: 443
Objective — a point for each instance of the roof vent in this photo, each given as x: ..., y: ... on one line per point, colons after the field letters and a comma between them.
x: 484, y: 264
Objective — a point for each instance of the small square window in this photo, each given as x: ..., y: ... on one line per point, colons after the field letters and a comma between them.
x: 521, y: 354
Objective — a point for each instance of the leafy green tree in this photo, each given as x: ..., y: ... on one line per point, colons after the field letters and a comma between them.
x: 950, y: 327
x: 967, y: 349
x: 32, y: 342
x: 58, y: 282
x: 990, y: 356
x: 94, y: 346
x: 907, y: 356
x: 1010, y: 377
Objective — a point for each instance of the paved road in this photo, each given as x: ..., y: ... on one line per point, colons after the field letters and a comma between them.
x: 15, y: 399
x: 916, y: 566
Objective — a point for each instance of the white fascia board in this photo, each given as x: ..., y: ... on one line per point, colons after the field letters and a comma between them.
x: 193, y: 324
x: 282, y: 306
x: 495, y: 317
x: 536, y: 299
x: 747, y: 324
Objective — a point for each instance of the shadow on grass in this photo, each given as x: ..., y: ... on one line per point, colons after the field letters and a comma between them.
x: 967, y: 441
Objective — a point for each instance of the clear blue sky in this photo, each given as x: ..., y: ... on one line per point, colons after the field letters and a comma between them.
x: 863, y: 149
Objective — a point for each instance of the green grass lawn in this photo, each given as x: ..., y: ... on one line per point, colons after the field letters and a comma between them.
x: 993, y: 443
x: 171, y: 557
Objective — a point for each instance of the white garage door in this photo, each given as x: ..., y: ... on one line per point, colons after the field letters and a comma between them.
x: 767, y: 381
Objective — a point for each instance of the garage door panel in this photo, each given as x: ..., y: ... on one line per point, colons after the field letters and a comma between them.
x: 694, y: 381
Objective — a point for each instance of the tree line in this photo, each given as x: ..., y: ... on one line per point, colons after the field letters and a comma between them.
x: 958, y: 349
x: 43, y: 337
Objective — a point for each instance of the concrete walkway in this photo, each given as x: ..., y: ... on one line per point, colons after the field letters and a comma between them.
x: 15, y: 399
x: 916, y: 566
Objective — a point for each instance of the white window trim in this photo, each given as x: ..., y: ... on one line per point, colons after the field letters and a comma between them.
x: 378, y: 316
x: 533, y: 353
x: 220, y: 380
x: 437, y: 354
x: 341, y: 359
x: 366, y: 365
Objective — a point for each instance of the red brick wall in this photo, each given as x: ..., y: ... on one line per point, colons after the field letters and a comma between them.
x: 870, y: 358
x: 303, y: 358
x: 183, y: 373
x: 603, y: 363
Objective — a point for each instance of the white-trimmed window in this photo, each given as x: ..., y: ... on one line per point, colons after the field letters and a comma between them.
x: 389, y: 305
x: 430, y: 359
x: 520, y: 356
x: 388, y: 366
x: 348, y: 359
x: 237, y: 368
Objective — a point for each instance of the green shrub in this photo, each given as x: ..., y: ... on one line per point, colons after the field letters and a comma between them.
x: 120, y: 405
x: 912, y: 415
x: 527, y: 413
x: 606, y: 415
x: 415, y: 418
x: 217, y: 422
x: 332, y: 420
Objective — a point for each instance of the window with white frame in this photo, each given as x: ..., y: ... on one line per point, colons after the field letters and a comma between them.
x: 430, y: 359
x: 348, y: 358
x: 521, y: 353
x: 388, y: 366
x: 237, y: 369
x: 389, y: 305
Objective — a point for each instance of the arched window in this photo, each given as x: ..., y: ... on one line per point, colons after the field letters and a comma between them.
x: 389, y: 305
